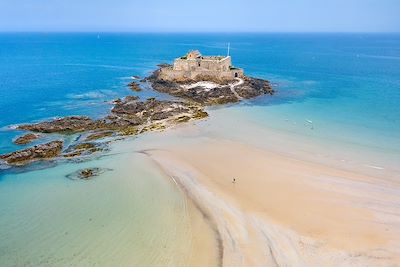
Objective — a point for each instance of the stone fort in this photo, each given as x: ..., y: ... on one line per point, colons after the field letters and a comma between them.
x: 195, y: 66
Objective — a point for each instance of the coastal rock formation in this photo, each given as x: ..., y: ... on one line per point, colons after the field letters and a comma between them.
x: 129, y: 116
x: 65, y: 125
x: 151, y: 108
x: 98, y: 135
x: 81, y: 149
x: 86, y: 174
x: 39, y: 152
x: 253, y: 87
x: 129, y: 112
x: 210, y: 90
x: 134, y: 86
x: 202, y: 80
x: 26, y: 139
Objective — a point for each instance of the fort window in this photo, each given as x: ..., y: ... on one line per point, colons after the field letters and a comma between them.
x: 236, y: 74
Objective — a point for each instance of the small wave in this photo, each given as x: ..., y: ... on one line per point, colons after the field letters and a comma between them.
x: 92, y: 95
x: 125, y: 78
x: 374, y: 167
x: 378, y: 56
x: 9, y: 127
x: 102, y: 66
x: 89, y: 95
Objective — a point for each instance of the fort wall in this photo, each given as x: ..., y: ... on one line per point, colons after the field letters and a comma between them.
x: 171, y: 74
x: 194, y: 66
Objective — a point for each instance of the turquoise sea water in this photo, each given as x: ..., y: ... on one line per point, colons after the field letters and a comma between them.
x: 341, y: 89
x: 347, y: 79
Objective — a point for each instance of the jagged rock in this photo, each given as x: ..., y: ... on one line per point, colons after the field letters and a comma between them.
x: 100, y: 135
x: 116, y: 101
x: 151, y: 108
x: 130, y: 105
x: 181, y: 119
x: 222, y: 94
x: 86, y: 174
x: 129, y: 116
x: 200, y: 115
x: 71, y: 124
x: 126, y: 115
x: 253, y: 87
x: 84, y: 146
x: 134, y: 87
x: 26, y: 139
x: 39, y: 152
x: 81, y: 149
x: 130, y: 130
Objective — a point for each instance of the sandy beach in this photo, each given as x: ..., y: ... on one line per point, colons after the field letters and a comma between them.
x: 280, y: 210
x: 296, y: 163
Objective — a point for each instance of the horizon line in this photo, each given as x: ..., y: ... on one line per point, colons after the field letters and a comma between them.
x: 199, y: 32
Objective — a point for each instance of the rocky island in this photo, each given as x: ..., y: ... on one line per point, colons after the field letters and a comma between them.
x: 198, y: 80
x: 207, y: 80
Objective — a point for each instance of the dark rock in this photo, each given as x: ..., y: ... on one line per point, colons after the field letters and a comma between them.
x: 134, y: 87
x: 164, y: 65
x: 126, y: 113
x: 223, y: 94
x: 181, y: 119
x: 130, y: 105
x: 81, y: 149
x: 129, y: 130
x: 129, y: 116
x: 86, y: 174
x: 200, y: 115
x: 116, y: 101
x: 100, y: 135
x: 71, y: 124
x: 39, y: 152
x: 84, y: 146
x: 26, y: 139
x: 253, y: 87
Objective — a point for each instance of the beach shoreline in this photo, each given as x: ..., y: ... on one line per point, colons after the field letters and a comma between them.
x: 315, y: 166
x: 281, y: 210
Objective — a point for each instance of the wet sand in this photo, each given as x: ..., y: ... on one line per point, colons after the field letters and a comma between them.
x: 281, y: 210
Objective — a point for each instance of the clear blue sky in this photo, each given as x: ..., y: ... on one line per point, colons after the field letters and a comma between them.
x: 205, y: 15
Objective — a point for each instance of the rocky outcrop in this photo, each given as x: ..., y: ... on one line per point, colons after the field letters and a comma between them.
x: 253, y: 87
x: 220, y: 94
x: 98, y: 135
x: 81, y: 149
x: 66, y: 125
x: 26, y: 139
x: 151, y: 108
x: 39, y: 152
x: 129, y: 112
x: 129, y: 116
x: 134, y: 86
x: 86, y: 174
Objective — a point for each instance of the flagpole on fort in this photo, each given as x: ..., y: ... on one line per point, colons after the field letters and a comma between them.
x: 229, y: 46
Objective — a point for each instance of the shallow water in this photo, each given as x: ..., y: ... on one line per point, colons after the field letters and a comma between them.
x: 131, y: 215
x: 337, y: 101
